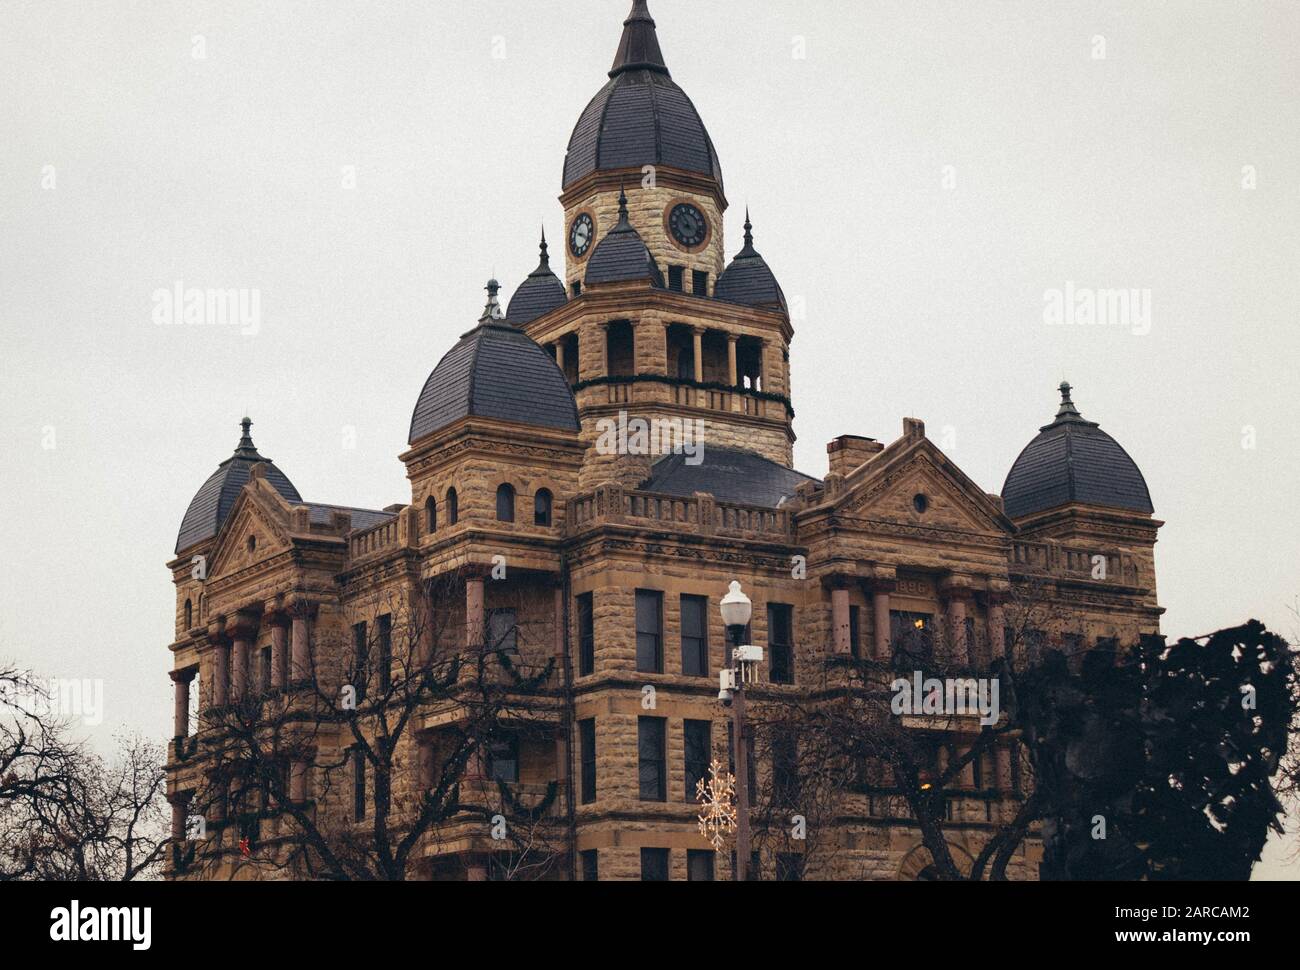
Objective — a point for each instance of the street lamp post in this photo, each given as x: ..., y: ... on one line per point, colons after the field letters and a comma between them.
x: 736, y: 611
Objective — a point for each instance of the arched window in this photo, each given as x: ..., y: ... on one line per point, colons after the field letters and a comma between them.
x: 430, y: 515
x: 189, y: 614
x: 542, y: 508
x: 453, y: 507
x: 506, y: 503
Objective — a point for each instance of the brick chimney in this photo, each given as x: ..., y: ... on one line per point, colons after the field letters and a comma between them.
x: 850, y: 451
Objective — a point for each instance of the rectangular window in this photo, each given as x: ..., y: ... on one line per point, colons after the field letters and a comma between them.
x: 699, y: 744
x: 695, y: 636
x: 503, y: 760
x: 700, y: 283
x: 385, y: 671
x: 911, y: 635
x: 699, y: 865
x: 789, y: 867
x: 587, y: 752
x: 755, y: 872
x: 652, y: 767
x: 855, y: 632
x: 264, y: 671
x: 503, y: 629
x: 675, y: 274
x: 360, y: 658
x: 586, y: 635
x: 358, y: 784
x: 577, y: 288
x: 649, y: 632
x: 591, y: 865
x: 785, y: 767
x: 780, y: 643
x: 654, y: 865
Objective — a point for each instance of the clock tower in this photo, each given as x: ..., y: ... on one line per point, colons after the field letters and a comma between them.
x: 650, y: 320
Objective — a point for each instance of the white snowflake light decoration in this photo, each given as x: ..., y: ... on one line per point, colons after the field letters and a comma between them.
x: 717, y: 799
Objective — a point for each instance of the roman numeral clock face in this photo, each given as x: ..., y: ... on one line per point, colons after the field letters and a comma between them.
x: 688, y: 225
x: 581, y: 234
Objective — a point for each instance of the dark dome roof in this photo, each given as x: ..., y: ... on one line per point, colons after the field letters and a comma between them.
x: 1074, y: 461
x: 622, y: 255
x: 640, y: 117
x: 748, y: 279
x: 495, y: 371
x: 538, y: 295
x: 209, y: 508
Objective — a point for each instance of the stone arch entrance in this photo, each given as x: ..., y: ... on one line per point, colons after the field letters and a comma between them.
x: 918, y: 865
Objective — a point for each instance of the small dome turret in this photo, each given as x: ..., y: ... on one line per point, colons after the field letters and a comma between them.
x: 539, y: 294
x: 622, y: 256
x: 748, y: 279
x: 1074, y: 462
x: 209, y: 508
x: 495, y: 371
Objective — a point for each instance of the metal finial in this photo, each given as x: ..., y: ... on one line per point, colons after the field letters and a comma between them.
x: 492, y: 311
x: 622, y: 202
x: 546, y: 258
x: 749, y: 230
x: 1068, y: 410
x: 246, y: 446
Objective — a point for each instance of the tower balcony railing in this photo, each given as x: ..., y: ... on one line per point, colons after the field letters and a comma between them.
x: 660, y: 389
x: 612, y: 504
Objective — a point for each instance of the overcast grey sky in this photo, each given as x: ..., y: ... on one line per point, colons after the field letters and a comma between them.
x: 920, y: 173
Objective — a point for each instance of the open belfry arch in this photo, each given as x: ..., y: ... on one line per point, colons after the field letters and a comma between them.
x: 596, y: 572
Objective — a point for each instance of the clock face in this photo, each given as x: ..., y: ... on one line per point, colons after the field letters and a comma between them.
x: 688, y: 225
x: 580, y: 236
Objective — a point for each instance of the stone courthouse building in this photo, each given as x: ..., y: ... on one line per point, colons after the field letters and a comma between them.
x: 619, y: 554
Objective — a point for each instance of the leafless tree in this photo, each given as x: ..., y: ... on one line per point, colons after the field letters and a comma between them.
x: 364, y: 711
x: 65, y: 812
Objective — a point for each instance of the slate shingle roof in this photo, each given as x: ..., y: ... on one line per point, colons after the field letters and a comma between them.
x: 538, y: 295
x: 622, y: 255
x: 1074, y: 461
x: 211, y: 505
x: 495, y: 371
x: 729, y: 475
x: 748, y: 280
x: 640, y: 117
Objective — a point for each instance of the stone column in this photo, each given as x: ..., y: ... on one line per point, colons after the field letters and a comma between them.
x: 604, y: 349
x: 764, y: 359
x: 178, y: 820
x: 422, y: 610
x: 957, y: 629
x: 840, y: 620
x: 732, y: 377
x: 300, y: 648
x: 425, y: 766
x: 997, y: 628
x: 880, y: 621
x: 559, y: 354
x: 1003, y: 753
x: 475, y: 633
x: 181, y: 705
x: 298, y: 782
x: 279, y: 652
x: 220, y: 664
x: 698, y: 334
x: 967, y: 777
